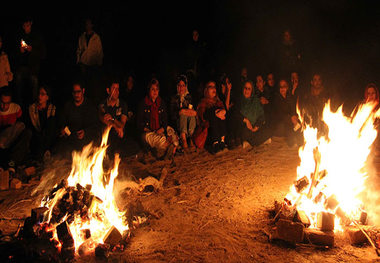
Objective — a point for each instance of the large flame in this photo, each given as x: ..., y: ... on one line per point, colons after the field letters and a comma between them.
x: 335, y: 163
x: 87, y: 169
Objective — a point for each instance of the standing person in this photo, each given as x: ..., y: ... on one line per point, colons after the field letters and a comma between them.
x: 152, y: 122
x: 78, y: 122
x: 211, y: 115
x: 289, y: 55
x: 6, y: 74
x: 14, y: 138
x: 182, y: 112
x: 30, y: 54
x: 113, y: 112
x: 90, y: 57
x: 42, y: 122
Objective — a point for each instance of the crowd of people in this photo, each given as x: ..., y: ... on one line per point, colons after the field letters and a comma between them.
x: 224, y: 115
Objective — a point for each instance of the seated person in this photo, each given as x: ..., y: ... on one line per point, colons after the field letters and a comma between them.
x: 249, y: 118
x: 225, y: 92
x: 263, y: 93
x: 113, y: 112
x: 152, y: 122
x: 211, y: 114
x: 285, y: 121
x: 42, y: 122
x: 14, y: 138
x: 78, y: 123
x: 182, y: 112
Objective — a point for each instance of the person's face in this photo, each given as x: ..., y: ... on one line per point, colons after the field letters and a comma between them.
x: 260, y: 82
x: 371, y: 94
x: 287, y: 36
x: 270, y: 80
x: 195, y: 35
x: 113, y: 91
x: 88, y: 26
x: 316, y: 82
x: 181, y: 87
x: 130, y: 83
x: 211, y: 90
x: 5, y: 102
x: 247, y: 91
x: 42, y: 96
x: 244, y: 72
x: 294, y: 78
x: 78, y: 93
x: 27, y: 26
x: 283, y: 88
x: 154, y: 91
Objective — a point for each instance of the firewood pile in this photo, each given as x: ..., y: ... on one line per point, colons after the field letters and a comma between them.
x: 294, y: 227
x: 41, y: 239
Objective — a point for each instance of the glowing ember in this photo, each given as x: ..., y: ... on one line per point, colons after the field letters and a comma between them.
x: 332, y: 171
x: 102, y: 214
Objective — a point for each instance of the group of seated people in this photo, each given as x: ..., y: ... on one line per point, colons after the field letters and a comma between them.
x: 252, y: 115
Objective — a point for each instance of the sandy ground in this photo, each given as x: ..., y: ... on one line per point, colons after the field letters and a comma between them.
x: 210, y: 209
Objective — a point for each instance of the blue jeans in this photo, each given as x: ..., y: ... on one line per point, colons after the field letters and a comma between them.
x: 187, y: 124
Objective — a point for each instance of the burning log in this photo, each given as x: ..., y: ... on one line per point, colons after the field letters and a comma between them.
x: 16, y: 184
x: 301, y: 217
x: 38, y: 214
x: 320, y: 238
x: 325, y: 221
x: 4, y: 180
x: 344, y: 219
x: 102, y: 251
x: 355, y: 235
x: 113, y: 237
x: 64, y: 235
x: 363, y: 217
x: 292, y: 232
x: 331, y: 202
x: 301, y: 184
x: 317, y: 160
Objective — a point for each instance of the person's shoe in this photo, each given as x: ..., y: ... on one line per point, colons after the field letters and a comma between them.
x: 268, y: 141
x: 246, y: 145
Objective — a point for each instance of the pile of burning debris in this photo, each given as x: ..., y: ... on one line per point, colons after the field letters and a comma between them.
x: 78, y: 217
x: 294, y: 226
x: 330, y: 191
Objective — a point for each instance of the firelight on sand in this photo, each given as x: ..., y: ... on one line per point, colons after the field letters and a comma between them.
x: 335, y: 164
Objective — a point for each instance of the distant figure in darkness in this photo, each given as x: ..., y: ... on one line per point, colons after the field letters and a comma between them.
x: 30, y: 53
x: 194, y: 63
x: 6, y: 74
x: 289, y: 55
x: 90, y: 58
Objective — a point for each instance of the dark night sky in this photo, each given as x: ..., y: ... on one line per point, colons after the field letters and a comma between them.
x: 339, y: 38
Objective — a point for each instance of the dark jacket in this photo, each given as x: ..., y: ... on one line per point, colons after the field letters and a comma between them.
x: 143, y: 116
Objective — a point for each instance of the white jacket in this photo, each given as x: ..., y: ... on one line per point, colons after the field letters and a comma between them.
x: 5, y: 70
x: 91, y: 55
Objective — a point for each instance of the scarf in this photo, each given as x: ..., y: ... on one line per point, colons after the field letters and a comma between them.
x: 154, y: 116
x: 251, y: 109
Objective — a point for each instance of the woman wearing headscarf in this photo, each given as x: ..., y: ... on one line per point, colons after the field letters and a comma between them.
x: 182, y: 112
x: 211, y: 114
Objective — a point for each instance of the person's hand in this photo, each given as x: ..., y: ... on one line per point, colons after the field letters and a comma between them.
x: 221, y: 114
x: 80, y: 134
x: 120, y: 132
x: 62, y: 133
x: 248, y: 124
x: 263, y: 100
x: 107, y: 117
x: 160, y: 131
x: 255, y: 129
x: 229, y: 86
x: 29, y: 48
